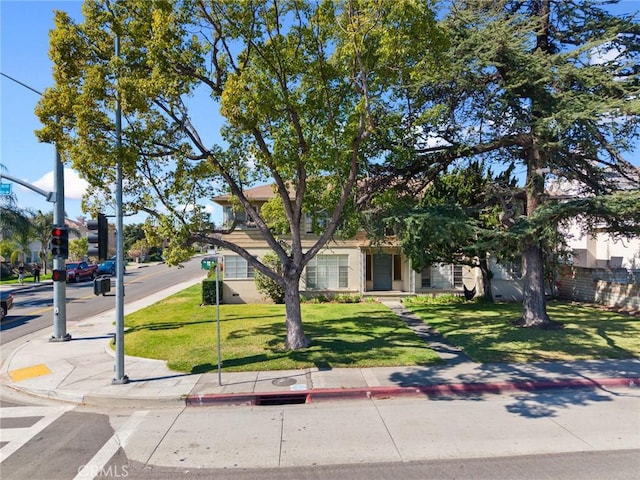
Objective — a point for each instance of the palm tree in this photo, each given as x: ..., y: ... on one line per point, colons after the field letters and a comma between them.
x: 41, y: 225
x: 14, y: 221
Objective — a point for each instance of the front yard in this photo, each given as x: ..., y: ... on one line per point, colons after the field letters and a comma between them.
x: 183, y: 333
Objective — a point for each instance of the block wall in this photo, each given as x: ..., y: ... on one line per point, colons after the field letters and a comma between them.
x: 599, y: 285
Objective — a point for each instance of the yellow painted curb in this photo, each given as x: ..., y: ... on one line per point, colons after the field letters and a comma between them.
x: 29, y: 372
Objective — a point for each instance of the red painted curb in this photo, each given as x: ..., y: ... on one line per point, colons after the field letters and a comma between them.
x: 309, y: 396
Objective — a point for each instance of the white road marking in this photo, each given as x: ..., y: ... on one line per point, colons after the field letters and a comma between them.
x: 17, y: 437
x: 119, y: 439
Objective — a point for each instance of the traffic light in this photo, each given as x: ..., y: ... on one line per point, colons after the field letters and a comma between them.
x: 59, y: 275
x: 60, y: 242
x: 98, y: 237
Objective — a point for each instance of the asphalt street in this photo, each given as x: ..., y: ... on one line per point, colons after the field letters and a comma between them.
x: 560, y: 434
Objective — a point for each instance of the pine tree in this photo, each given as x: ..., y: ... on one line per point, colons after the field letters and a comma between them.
x: 552, y: 86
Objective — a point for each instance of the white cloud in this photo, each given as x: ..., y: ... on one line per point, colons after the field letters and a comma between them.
x: 208, y: 208
x: 74, y: 186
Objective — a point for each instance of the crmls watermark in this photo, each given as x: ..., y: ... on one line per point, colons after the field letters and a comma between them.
x: 105, y: 472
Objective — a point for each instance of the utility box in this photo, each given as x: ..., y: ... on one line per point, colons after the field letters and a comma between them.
x: 101, y: 285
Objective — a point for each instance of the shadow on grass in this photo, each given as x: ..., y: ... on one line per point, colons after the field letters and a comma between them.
x: 164, y: 326
x: 235, y: 362
x: 355, y: 339
x: 486, y: 334
x: 352, y: 340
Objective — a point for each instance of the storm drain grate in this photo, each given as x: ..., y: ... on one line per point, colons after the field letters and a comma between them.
x: 281, y: 399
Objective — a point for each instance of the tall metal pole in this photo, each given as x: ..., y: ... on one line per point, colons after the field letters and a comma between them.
x: 120, y: 377
x: 59, y: 288
x: 218, y: 319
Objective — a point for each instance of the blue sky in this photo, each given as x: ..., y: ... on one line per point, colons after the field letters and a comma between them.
x: 24, y: 44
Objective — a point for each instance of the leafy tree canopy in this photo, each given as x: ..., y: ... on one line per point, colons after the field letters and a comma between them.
x: 299, y: 87
x: 547, y: 85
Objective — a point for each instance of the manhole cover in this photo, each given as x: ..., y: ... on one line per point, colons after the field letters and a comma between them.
x: 284, y: 381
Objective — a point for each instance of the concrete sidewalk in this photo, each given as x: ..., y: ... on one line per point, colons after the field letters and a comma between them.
x: 82, y: 370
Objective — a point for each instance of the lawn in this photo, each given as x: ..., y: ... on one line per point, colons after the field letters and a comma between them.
x: 183, y: 333
x: 485, y: 333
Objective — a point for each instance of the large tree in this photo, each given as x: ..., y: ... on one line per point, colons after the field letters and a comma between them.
x: 298, y: 86
x: 456, y: 219
x: 552, y: 85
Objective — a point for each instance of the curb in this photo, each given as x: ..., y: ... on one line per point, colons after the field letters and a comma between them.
x: 326, y: 394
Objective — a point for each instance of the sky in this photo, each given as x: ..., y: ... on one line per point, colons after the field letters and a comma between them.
x: 24, y: 45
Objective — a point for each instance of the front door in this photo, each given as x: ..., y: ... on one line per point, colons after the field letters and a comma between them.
x: 382, y: 264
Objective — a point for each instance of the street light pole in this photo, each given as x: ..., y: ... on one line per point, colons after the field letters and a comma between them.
x: 59, y: 288
x: 218, y: 321
x: 120, y: 377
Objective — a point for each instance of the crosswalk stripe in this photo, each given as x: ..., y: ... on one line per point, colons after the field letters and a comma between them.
x: 119, y: 439
x: 13, y: 434
x: 33, y: 411
x: 20, y: 436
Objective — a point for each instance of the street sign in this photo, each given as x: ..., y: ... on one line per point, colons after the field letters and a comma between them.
x: 5, y: 189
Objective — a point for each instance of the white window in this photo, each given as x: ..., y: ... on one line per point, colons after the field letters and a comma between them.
x: 514, y: 267
x: 316, y: 223
x: 442, y: 276
x: 237, y: 267
x: 426, y: 277
x: 328, y: 271
x: 457, y: 275
x: 227, y: 215
x: 244, y: 220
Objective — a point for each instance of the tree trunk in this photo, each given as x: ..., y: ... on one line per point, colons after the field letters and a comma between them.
x: 486, y: 280
x: 534, y: 304
x: 296, y: 339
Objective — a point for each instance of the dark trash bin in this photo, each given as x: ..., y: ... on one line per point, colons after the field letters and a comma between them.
x: 101, y: 285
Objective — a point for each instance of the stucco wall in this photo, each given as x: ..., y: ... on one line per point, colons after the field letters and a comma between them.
x: 599, y: 285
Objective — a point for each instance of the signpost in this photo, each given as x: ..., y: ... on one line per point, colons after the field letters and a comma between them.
x: 217, y: 265
x: 208, y: 263
x: 5, y: 189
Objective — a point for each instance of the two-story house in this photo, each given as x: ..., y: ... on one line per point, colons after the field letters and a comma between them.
x: 352, y: 266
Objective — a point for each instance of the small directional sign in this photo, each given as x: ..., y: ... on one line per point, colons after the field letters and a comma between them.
x: 5, y: 189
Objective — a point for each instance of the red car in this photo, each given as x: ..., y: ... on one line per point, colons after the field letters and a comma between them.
x: 77, y: 271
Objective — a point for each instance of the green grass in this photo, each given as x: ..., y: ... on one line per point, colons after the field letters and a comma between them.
x: 485, y: 333
x: 183, y: 333
x: 27, y: 279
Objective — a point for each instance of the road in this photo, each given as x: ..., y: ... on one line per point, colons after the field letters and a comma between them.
x: 33, y: 310
x: 560, y: 434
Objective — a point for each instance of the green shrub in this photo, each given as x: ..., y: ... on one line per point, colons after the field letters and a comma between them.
x: 443, y: 299
x: 347, y: 298
x: 266, y: 285
x: 209, y: 291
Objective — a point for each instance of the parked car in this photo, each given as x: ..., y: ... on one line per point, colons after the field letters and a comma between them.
x: 107, y: 267
x: 77, y: 271
x: 6, y: 303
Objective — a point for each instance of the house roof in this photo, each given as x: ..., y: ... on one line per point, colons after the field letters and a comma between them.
x: 261, y: 193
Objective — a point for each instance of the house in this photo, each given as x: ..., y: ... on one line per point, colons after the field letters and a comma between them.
x: 351, y: 266
x: 77, y: 229
x: 598, y: 249
x: 602, y: 268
